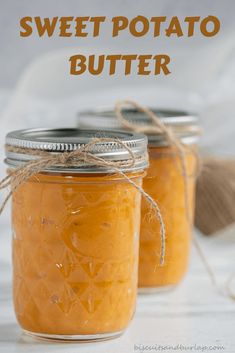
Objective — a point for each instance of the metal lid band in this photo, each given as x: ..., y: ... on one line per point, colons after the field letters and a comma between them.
x: 26, y: 145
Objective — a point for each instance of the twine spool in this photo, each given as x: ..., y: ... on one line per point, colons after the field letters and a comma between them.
x: 215, y: 195
x: 215, y: 200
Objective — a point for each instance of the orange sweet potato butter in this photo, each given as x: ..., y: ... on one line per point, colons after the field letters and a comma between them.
x: 75, y: 253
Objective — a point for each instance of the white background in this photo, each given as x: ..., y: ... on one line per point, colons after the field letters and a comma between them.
x: 36, y: 90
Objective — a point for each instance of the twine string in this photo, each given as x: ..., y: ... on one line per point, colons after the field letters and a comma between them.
x: 158, y: 127
x: 77, y: 158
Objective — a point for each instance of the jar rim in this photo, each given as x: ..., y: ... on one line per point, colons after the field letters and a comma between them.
x: 183, y: 123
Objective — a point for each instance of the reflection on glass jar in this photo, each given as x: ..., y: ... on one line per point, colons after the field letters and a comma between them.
x: 75, y: 249
x: 165, y: 183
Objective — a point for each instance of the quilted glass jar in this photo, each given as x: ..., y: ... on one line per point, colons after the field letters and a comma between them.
x: 76, y: 237
x: 164, y: 181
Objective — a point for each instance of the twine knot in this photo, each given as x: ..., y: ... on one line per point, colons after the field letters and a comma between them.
x: 44, y: 160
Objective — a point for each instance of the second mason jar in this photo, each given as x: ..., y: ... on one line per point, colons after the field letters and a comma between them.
x: 165, y: 182
x: 76, y: 233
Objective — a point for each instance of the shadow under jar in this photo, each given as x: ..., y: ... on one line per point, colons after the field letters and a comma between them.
x: 165, y: 183
x: 76, y: 237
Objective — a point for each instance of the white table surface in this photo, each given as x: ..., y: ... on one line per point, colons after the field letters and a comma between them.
x: 194, y: 313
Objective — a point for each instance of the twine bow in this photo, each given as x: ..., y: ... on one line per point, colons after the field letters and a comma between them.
x: 77, y: 158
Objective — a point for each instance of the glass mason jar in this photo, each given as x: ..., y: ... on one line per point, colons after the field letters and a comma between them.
x: 75, y: 237
x: 165, y: 183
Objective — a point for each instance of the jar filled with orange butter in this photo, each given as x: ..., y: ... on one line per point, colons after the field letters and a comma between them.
x: 166, y: 183
x: 76, y: 233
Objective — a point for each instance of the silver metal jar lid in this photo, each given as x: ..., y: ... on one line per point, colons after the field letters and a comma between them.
x: 69, y: 139
x: 183, y: 124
